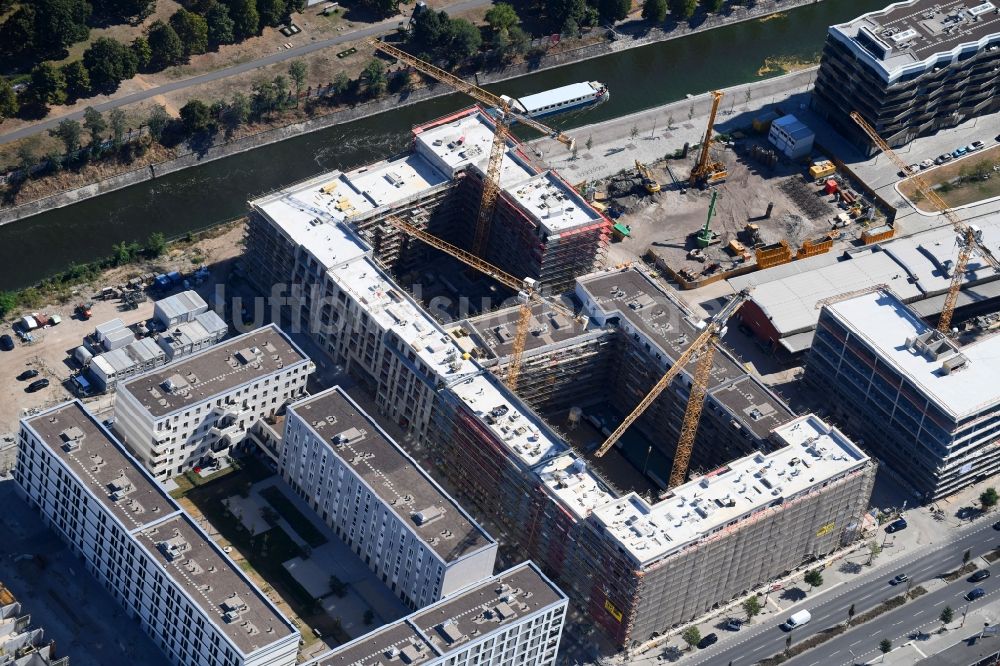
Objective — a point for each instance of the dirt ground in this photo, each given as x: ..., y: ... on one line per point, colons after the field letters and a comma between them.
x: 49, y: 353
x: 666, y: 223
x: 966, y: 192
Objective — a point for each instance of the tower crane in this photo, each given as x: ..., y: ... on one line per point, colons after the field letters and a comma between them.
x: 702, y: 349
x: 706, y: 171
x: 969, y: 237
x: 504, y: 116
x: 527, y: 290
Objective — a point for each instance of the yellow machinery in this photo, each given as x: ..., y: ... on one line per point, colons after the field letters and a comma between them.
x: 702, y: 349
x: 504, y: 116
x: 527, y: 290
x: 708, y: 171
x: 969, y: 237
x: 650, y: 183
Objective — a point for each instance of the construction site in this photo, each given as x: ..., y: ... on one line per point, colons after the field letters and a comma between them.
x: 751, y: 198
x: 526, y: 412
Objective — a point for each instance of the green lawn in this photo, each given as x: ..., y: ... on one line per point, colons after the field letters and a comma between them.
x: 289, y: 512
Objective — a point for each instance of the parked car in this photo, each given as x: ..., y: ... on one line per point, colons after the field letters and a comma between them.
x: 26, y: 375
x: 901, y: 578
x: 711, y: 639
x: 896, y: 526
x: 996, y: 525
x: 734, y: 624
x: 980, y: 575
x: 37, y: 386
x: 941, y: 159
x: 975, y: 145
x: 975, y: 593
x: 6, y: 342
x: 958, y: 152
x: 926, y: 164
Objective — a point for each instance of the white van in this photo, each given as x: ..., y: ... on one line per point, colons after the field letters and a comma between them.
x: 797, y: 619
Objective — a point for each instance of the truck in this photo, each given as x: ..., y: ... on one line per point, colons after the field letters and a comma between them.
x: 167, y: 280
x: 797, y: 619
x: 38, y: 320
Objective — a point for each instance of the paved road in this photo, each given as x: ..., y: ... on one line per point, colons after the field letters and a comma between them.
x: 867, y: 591
x: 383, y: 27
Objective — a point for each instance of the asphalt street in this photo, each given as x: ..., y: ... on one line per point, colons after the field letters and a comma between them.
x: 289, y: 54
x: 764, y: 638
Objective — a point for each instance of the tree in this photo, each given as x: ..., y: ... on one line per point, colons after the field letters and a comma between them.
x: 192, y: 31
x: 8, y: 301
x: 382, y: 8
x: 947, y: 615
x: 502, y: 17
x: 850, y: 615
x: 8, y: 100
x: 271, y: 11
x: 221, y: 29
x: 281, y: 91
x: 752, y: 607
x: 885, y: 647
x: 634, y: 132
x: 48, y: 85
x: 67, y: 131
x: 298, y: 70
x: 613, y: 10
x: 654, y: 11
x: 966, y: 556
x: 17, y: 33
x: 374, y: 77
x: 814, y: 578
x: 517, y: 41
x: 165, y: 45
x: 109, y: 62
x: 691, y: 636
x: 265, y: 98
x: 788, y: 643
x: 246, y: 20
x: 124, y: 10
x: 429, y: 29
x: 683, y: 9
x: 94, y: 123
x: 714, y: 6
x: 560, y: 12
x: 157, y: 121
x: 143, y: 53
x: 340, y: 84
x: 236, y: 113
x: 59, y: 23
x: 590, y: 142
x: 196, y: 116
x: 873, y: 551
x: 988, y: 498
x: 464, y: 39
x: 117, y: 121
x: 156, y: 244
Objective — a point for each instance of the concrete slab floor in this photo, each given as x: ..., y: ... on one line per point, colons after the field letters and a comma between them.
x: 84, y: 620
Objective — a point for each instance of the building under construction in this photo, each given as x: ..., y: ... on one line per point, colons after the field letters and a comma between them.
x: 634, y: 331
x: 511, y: 465
x: 541, y: 228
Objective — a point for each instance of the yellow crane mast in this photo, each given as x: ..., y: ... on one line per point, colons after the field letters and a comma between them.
x: 491, y: 183
x: 527, y: 290
x: 706, y: 171
x: 703, y: 348
x: 969, y: 237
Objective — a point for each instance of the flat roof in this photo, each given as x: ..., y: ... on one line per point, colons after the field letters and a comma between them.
x: 447, y: 625
x: 214, y: 371
x: 493, y: 332
x: 197, y: 565
x: 665, y: 322
x: 889, y: 327
x: 107, y: 471
x: 181, y: 304
x: 811, y: 454
x: 920, y: 33
x: 556, y: 206
x: 392, y: 474
x: 395, y: 311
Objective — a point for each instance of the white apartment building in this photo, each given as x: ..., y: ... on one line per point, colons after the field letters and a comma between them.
x: 192, y: 412
x: 192, y: 600
x: 397, y: 519
x: 512, y: 619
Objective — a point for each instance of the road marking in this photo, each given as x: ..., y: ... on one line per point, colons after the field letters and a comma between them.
x: 855, y: 643
x: 940, y: 602
x: 919, y: 612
